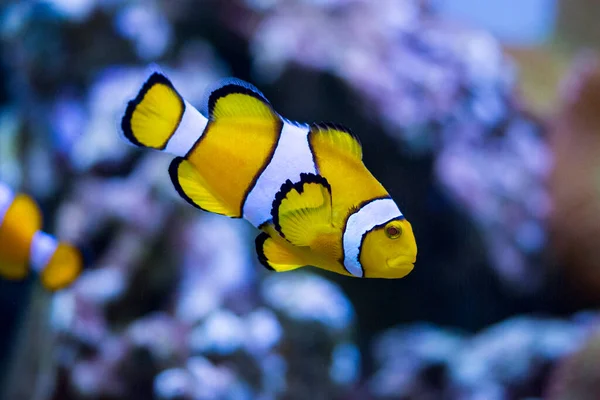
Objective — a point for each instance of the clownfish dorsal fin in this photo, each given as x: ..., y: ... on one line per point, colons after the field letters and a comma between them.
x: 302, y: 210
x: 337, y: 138
x: 190, y: 184
x: 274, y: 256
x: 233, y: 98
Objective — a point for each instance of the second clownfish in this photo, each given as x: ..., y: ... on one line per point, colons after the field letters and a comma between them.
x: 25, y: 248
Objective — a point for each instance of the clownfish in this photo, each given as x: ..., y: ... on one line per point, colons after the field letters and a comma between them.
x: 303, y: 185
x: 25, y: 248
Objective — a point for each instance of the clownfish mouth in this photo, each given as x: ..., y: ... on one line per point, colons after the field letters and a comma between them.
x: 402, y: 262
x: 400, y: 266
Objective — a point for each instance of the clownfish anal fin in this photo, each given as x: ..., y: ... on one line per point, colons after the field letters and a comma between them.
x: 233, y: 98
x: 302, y: 210
x: 273, y: 256
x: 190, y: 185
x: 335, y: 137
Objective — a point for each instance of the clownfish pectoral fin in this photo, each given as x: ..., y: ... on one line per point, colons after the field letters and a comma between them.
x: 275, y: 257
x: 154, y: 115
x: 337, y: 138
x: 302, y: 210
x: 190, y: 185
x: 63, y: 268
x: 237, y: 100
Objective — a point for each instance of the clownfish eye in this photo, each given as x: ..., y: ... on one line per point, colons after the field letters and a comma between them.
x: 393, y: 231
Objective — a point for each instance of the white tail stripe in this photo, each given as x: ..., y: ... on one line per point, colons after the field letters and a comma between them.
x: 42, y: 249
x: 190, y: 129
x: 370, y: 215
x: 6, y: 199
x: 291, y: 158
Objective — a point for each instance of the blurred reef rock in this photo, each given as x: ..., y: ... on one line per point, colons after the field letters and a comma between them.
x: 514, y: 359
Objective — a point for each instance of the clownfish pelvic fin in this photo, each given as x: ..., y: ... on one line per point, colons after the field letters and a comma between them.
x: 275, y: 256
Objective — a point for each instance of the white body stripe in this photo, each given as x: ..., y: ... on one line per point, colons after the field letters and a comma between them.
x: 190, y: 129
x: 6, y: 199
x: 291, y: 158
x: 43, y: 247
x: 372, y: 214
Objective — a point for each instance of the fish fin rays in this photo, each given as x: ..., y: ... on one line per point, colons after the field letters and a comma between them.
x: 154, y: 115
x: 337, y: 137
x: 274, y: 256
x: 302, y: 210
x: 190, y: 185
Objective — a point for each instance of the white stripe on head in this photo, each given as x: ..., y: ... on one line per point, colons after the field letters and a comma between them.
x: 370, y: 215
x: 6, y: 199
x: 42, y: 249
x: 190, y: 129
x: 291, y: 158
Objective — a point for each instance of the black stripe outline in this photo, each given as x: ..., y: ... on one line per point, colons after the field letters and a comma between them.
x: 223, y: 91
x: 264, y: 166
x: 259, y: 243
x: 312, y: 149
x: 233, y: 88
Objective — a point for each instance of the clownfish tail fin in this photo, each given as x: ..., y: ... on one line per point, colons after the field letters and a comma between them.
x: 63, y: 268
x: 58, y: 264
x: 153, y: 116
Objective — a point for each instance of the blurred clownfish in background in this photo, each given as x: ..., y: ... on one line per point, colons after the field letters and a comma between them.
x: 24, y: 247
x: 304, y: 185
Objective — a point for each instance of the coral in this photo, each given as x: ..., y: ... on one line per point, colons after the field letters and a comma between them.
x: 512, y: 359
